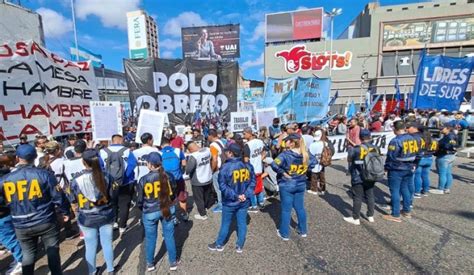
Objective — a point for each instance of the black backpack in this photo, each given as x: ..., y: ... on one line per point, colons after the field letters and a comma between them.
x: 373, y: 167
x: 114, y: 165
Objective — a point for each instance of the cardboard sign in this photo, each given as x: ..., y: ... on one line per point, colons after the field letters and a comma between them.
x: 150, y: 122
x: 106, y: 118
x: 240, y: 120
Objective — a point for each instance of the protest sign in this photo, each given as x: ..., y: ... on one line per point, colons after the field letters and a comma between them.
x: 240, y: 120
x: 441, y: 82
x: 265, y: 117
x: 106, y: 117
x: 41, y: 92
x: 380, y: 140
x: 150, y: 122
x: 180, y: 130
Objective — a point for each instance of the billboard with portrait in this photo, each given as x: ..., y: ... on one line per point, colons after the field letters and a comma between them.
x: 211, y: 42
x: 294, y: 25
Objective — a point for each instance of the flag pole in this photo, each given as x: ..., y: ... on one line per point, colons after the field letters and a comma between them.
x: 74, y: 28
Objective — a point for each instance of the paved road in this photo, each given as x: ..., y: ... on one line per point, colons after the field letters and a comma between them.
x: 439, y: 238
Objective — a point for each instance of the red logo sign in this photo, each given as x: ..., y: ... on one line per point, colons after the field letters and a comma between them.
x: 298, y: 58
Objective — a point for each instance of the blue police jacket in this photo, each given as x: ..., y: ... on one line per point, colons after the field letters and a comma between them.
x: 236, y: 178
x: 292, y: 163
x: 402, y: 153
x: 421, y: 145
x: 426, y: 149
x: 357, y: 156
x: 31, y: 194
x: 447, y: 145
x: 99, y: 211
x: 148, y: 191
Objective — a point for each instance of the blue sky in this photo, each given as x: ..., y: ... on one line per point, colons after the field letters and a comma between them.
x: 101, y: 24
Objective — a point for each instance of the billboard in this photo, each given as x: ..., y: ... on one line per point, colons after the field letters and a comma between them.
x: 294, y: 25
x: 397, y: 36
x: 211, y: 42
x: 82, y: 54
x: 137, y: 44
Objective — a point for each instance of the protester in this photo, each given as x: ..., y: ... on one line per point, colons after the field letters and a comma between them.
x: 317, y: 176
x: 176, y: 141
x: 34, y: 215
x: 154, y: 200
x: 197, y: 137
x: 274, y: 129
x: 69, y: 151
x: 291, y: 166
x: 342, y: 126
x: 352, y: 137
x: 307, y: 136
x: 147, y: 147
x: 237, y: 183
x: 376, y: 125
x: 361, y: 187
x: 422, y: 172
x: 445, y: 156
x: 94, y: 193
x: 254, y: 153
x: 217, y: 159
x: 198, y: 167
x: 40, y: 142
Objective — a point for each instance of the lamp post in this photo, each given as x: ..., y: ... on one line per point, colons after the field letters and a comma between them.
x: 335, y: 12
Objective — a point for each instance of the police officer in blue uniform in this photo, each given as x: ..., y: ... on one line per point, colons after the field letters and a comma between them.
x: 237, y: 184
x: 32, y: 195
x: 400, y: 166
x: 445, y: 156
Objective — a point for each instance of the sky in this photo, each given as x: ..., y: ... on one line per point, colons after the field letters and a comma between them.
x: 101, y: 24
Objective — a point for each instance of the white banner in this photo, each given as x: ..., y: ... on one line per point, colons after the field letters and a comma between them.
x: 381, y: 140
x: 42, y: 93
x: 240, y: 120
x: 265, y: 117
x: 106, y: 117
x: 151, y: 122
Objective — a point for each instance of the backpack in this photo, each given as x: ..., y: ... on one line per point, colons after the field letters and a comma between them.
x: 373, y: 167
x: 115, y: 165
x: 167, y: 157
x: 326, y: 156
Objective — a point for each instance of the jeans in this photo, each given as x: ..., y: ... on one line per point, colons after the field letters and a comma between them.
x: 28, y: 238
x: 445, y: 168
x: 398, y: 182
x: 150, y: 223
x: 422, y: 175
x: 215, y: 183
x: 292, y: 196
x: 91, y: 240
x: 8, y: 237
x: 359, y: 191
x: 228, y: 212
x: 122, y: 204
x: 257, y: 199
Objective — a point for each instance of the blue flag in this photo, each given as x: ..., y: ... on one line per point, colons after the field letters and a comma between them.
x: 351, y: 111
x: 441, y: 82
x: 333, y: 99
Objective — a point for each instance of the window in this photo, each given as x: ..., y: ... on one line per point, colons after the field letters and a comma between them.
x: 454, y: 52
x: 436, y: 5
x: 404, y: 63
x: 452, y: 4
x: 404, y: 9
x: 389, y: 10
x: 420, y: 7
x: 389, y: 66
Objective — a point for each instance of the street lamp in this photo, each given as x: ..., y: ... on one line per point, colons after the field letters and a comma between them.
x: 335, y: 12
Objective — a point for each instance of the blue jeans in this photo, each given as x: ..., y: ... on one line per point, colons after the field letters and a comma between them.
x: 257, y: 199
x: 215, y: 183
x: 445, y: 169
x: 292, y: 196
x: 228, y: 212
x: 422, y: 175
x: 8, y: 237
x: 398, y: 182
x: 91, y: 239
x: 150, y: 223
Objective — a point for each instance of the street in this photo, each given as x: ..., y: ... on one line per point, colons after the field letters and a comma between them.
x: 439, y: 238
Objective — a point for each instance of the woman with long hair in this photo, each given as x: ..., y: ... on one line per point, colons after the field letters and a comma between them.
x: 291, y: 166
x: 93, y: 192
x: 154, y: 200
x: 422, y: 173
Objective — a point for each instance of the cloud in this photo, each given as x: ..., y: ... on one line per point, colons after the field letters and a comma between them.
x: 185, y: 19
x: 170, y: 44
x: 253, y: 63
x: 55, y: 24
x: 259, y: 32
x: 301, y: 8
x: 112, y: 13
x: 167, y: 54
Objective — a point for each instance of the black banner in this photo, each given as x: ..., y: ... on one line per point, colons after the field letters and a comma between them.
x: 190, y: 91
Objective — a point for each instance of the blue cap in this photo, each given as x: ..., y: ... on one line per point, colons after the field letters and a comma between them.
x: 235, y: 149
x: 26, y: 152
x: 153, y: 158
x: 90, y: 154
x: 364, y: 134
x: 292, y: 137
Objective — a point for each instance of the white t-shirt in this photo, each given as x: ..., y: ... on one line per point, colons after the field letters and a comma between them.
x: 388, y: 126
x: 316, y: 149
x: 73, y: 168
x: 58, y: 168
x: 308, y: 139
x: 254, y: 149
x: 203, y: 165
x: 141, y: 169
x: 68, y: 149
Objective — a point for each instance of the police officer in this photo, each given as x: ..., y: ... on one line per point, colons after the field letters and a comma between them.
x: 445, y: 156
x: 237, y: 184
x: 400, y: 166
x: 32, y: 194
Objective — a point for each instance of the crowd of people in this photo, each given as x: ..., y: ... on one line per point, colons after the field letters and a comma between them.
x: 88, y: 188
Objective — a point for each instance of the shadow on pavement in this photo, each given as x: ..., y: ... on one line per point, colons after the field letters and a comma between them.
x: 273, y: 209
x: 134, y: 238
x: 337, y: 203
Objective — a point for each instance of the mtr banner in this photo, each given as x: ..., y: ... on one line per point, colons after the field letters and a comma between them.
x: 40, y: 92
x: 184, y: 89
x: 441, y: 82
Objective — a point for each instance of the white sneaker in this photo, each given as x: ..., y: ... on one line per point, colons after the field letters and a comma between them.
x: 123, y: 230
x: 436, y: 191
x: 115, y: 225
x: 15, y: 269
x: 370, y: 219
x: 323, y: 192
x: 199, y: 217
x: 352, y: 220
x: 312, y: 192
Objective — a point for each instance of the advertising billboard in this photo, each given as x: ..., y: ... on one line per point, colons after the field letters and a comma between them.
x: 294, y: 25
x: 211, y: 42
x: 137, y: 44
x: 411, y: 35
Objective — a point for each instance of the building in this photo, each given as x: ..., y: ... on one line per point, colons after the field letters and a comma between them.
x: 381, y: 44
x: 142, y: 35
x: 20, y: 24
x: 112, y: 86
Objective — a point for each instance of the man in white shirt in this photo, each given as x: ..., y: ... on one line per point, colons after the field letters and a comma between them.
x: 147, y: 148
x: 217, y: 159
x: 69, y: 151
x: 388, y: 125
x: 254, y: 153
x: 318, y: 179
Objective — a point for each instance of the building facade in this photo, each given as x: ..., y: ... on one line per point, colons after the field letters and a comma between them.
x: 20, y: 24
x: 142, y: 35
x: 382, y: 44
